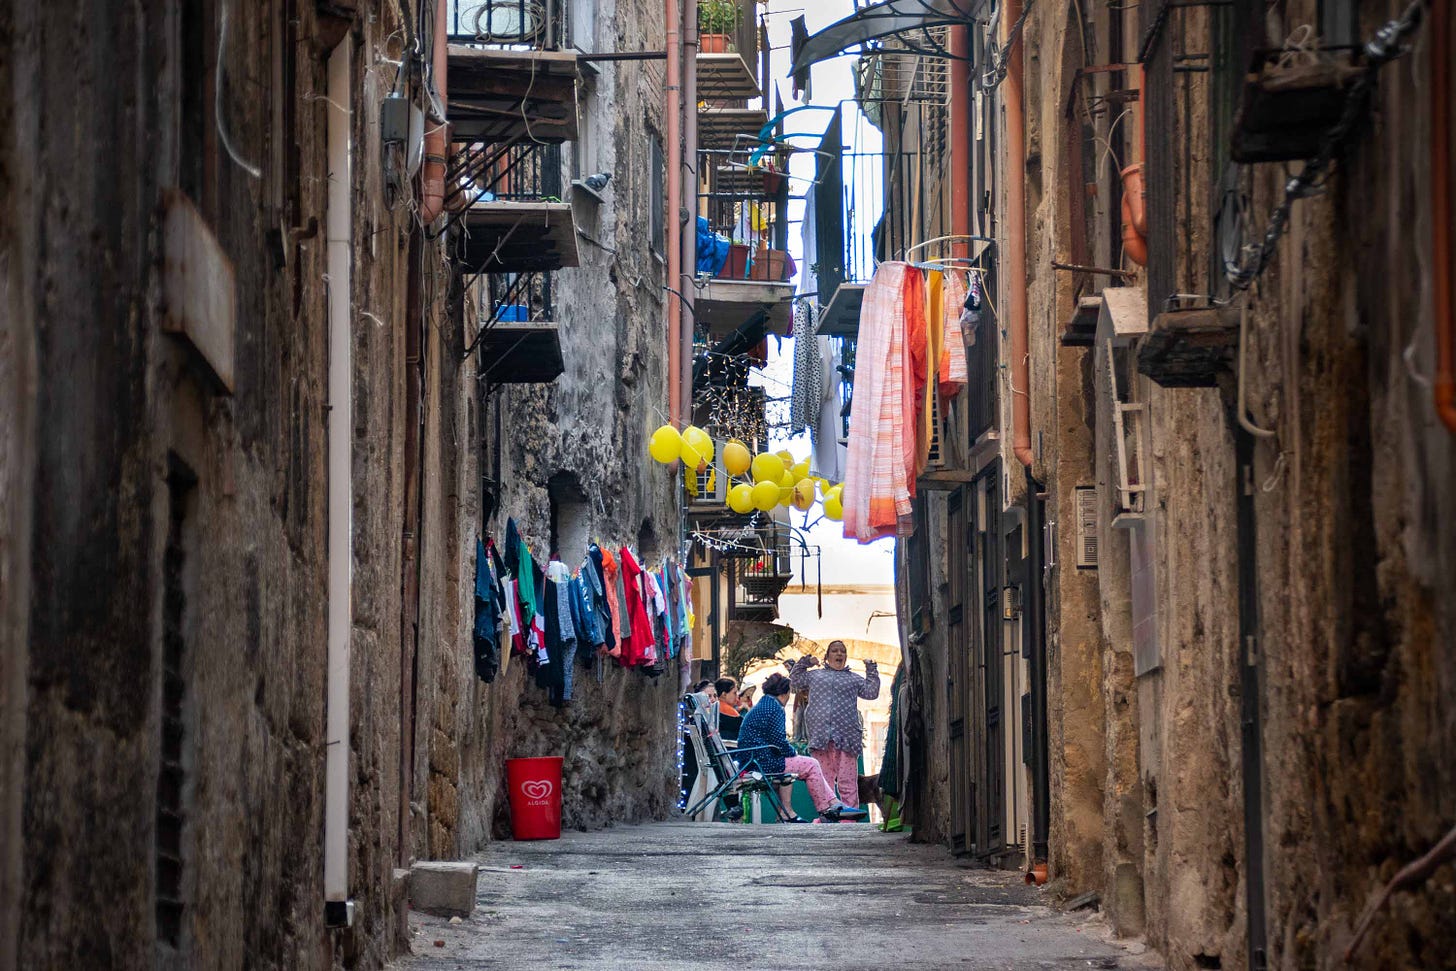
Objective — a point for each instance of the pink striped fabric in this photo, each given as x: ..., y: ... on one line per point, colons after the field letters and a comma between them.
x: 880, y: 476
x: 953, y: 357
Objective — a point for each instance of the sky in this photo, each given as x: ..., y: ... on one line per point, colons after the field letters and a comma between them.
x: 844, y: 561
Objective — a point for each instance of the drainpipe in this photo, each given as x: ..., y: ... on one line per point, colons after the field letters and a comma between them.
x: 1016, y: 244
x: 432, y: 186
x: 339, y: 232
x: 690, y: 203
x: 673, y: 123
x: 1134, y: 199
x: 960, y: 139
x: 1444, y: 391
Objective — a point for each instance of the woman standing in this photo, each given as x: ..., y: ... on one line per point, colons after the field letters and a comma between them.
x: 763, y: 726
x: 831, y: 719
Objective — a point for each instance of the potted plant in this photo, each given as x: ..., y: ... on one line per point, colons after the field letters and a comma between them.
x: 774, y: 265
x: 717, y: 20
x: 736, y: 266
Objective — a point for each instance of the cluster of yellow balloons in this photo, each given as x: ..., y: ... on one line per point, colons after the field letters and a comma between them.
x: 773, y: 478
x: 693, y: 447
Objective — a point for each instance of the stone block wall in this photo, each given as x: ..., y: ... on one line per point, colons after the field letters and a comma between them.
x: 580, y: 443
x: 1353, y: 516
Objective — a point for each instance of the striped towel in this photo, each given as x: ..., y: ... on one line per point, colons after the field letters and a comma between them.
x: 880, y: 475
x: 952, y: 377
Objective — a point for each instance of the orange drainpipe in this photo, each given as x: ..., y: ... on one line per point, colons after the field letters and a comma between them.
x: 1015, y: 253
x: 960, y: 139
x: 1134, y: 200
x: 673, y: 125
x: 1444, y: 390
x: 432, y: 181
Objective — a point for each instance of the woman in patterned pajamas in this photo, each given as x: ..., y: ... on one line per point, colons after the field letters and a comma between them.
x: 832, y: 717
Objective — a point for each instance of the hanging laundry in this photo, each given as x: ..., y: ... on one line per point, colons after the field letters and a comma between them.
x: 879, y: 477
x: 639, y: 647
x: 486, y: 633
x: 970, y: 319
x: 808, y: 393
x: 621, y: 607
x: 606, y: 593
x: 952, y: 376
x: 926, y: 380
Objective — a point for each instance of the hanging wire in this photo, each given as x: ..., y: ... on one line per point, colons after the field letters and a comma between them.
x: 999, y: 58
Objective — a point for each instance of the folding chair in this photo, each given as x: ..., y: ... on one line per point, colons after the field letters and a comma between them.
x: 733, y: 773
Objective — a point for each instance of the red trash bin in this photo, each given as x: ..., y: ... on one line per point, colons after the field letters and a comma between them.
x: 535, y: 790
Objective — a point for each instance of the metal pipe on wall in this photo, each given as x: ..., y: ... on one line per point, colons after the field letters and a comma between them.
x: 1444, y: 390
x: 1015, y: 251
x: 960, y: 139
x: 432, y: 180
x: 339, y: 233
x: 672, y: 122
x: 690, y: 235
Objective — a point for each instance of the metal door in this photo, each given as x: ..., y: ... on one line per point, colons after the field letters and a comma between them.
x: 958, y: 672
x: 989, y: 571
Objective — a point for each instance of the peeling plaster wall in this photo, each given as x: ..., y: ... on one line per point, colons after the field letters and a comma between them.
x: 617, y: 736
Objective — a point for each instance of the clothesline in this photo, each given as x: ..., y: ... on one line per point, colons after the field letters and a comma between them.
x: 609, y: 608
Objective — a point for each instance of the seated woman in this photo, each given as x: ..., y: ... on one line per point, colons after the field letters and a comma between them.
x: 764, y: 726
x: 730, y: 717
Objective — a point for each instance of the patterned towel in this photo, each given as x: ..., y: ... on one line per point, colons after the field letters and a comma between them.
x: 880, y: 475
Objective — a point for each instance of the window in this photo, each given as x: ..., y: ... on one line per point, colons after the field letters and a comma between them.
x: 658, y: 216
x: 197, y: 128
x: 570, y: 517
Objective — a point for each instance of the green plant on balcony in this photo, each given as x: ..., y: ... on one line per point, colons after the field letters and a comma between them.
x: 717, y: 21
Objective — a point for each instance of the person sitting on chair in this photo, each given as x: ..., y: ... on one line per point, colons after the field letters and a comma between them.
x: 730, y: 717
x: 764, y: 725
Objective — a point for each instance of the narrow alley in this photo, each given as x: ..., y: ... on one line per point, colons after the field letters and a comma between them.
x: 794, y: 484
x: 678, y: 896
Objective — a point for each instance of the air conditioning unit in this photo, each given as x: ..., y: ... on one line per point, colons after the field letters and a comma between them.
x: 937, y: 456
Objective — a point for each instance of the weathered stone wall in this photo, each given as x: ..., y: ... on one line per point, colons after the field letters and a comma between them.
x: 1357, y: 547
x: 590, y: 428
x: 1354, y: 505
x: 162, y: 513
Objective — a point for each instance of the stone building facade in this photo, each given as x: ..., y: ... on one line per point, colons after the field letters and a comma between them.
x: 1231, y: 549
x: 165, y: 547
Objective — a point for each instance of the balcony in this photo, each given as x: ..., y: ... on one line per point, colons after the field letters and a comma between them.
x: 725, y: 77
x: 760, y: 572
x: 520, y: 341
x: 510, y: 78
x: 508, y: 200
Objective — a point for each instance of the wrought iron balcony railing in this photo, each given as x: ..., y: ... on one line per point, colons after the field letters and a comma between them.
x: 518, y: 24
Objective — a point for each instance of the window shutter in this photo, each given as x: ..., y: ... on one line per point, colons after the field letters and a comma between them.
x: 1086, y: 527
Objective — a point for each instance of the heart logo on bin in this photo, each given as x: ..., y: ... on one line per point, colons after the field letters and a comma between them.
x: 537, y: 790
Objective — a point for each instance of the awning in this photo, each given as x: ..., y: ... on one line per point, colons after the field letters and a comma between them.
x: 883, y: 20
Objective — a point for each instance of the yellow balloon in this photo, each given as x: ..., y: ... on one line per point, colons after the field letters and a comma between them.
x: 700, y: 442
x: 736, y: 458
x: 787, y: 480
x: 691, y: 459
x: 803, y: 494
x: 833, y: 509
x: 786, y: 455
x: 767, y: 468
x: 665, y: 444
x: 740, y: 498
x: 800, y: 470
x: 765, y: 496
